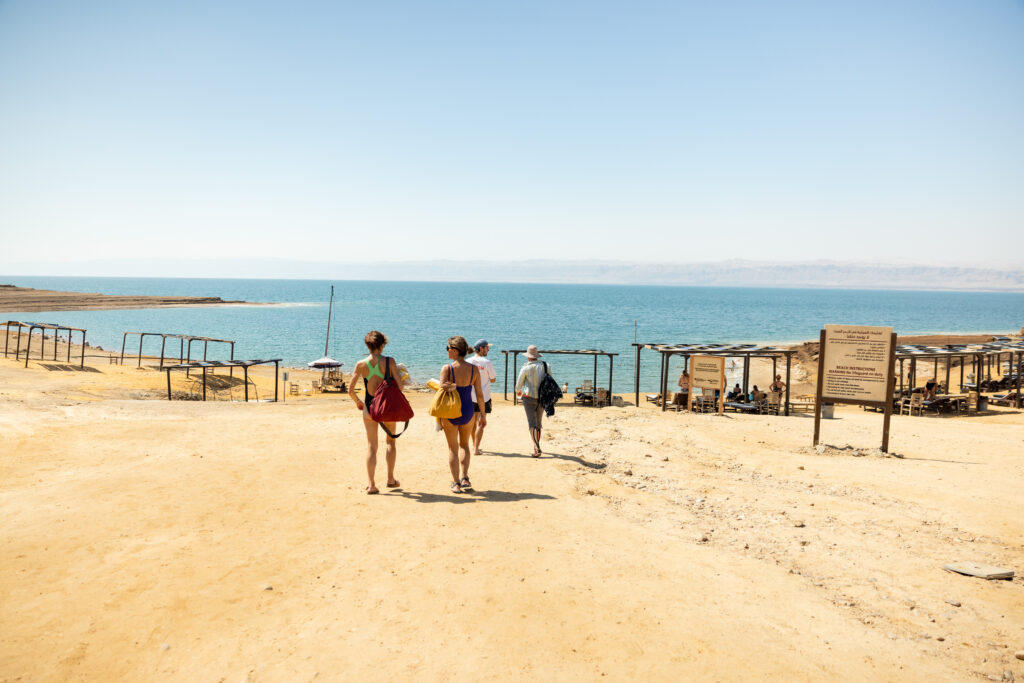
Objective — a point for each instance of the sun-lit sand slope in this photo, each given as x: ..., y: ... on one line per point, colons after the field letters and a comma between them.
x: 148, y: 540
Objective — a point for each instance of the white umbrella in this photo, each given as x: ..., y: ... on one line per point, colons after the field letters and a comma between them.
x: 325, y: 362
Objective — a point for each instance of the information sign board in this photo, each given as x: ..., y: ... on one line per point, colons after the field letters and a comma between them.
x: 707, y: 373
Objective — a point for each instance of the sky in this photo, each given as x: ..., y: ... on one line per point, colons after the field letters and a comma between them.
x: 390, y: 131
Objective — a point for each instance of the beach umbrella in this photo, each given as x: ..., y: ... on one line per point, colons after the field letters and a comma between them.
x: 325, y: 362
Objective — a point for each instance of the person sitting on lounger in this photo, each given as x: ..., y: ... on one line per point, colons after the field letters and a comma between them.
x: 757, y: 395
x: 736, y: 393
x: 684, y: 388
x: 930, y: 387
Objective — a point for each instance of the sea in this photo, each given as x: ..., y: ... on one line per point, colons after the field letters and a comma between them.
x: 418, y: 318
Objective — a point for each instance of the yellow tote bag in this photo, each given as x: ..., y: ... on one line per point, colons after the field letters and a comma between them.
x: 446, y: 404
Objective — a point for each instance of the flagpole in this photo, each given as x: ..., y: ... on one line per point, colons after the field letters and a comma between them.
x: 330, y: 307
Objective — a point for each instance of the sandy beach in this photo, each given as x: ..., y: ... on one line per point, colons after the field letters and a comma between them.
x: 148, y: 539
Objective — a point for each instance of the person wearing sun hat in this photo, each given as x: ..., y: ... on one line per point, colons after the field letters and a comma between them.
x: 528, y: 389
x: 487, y: 376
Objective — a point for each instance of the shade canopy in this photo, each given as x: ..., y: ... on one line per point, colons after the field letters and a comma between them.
x: 325, y: 362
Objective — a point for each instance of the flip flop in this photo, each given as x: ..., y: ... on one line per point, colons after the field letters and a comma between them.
x: 456, y: 488
x: 394, y: 485
x: 465, y: 485
x: 372, y: 492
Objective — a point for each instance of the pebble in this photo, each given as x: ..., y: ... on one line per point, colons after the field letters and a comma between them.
x: 940, y: 638
x: 628, y: 473
x: 703, y: 538
x: 800, y: 467
x: 955, y: 603
x: 665, y: 459
x: 268, y: 587
x: 590, y: 492
x: 1019, y: 654
x: 1008, y: 676
x: 165, y: 647
x: 798, y: 524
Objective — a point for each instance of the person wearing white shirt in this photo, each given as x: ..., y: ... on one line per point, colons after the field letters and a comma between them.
x: 528, y: 389
x: 480, y: 360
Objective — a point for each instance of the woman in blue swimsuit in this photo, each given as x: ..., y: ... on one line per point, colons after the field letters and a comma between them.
x: 463, y: 377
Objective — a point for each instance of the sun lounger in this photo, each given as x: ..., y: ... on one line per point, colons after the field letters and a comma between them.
x: 1008, y: 399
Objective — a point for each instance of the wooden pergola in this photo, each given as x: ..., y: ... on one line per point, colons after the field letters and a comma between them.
x: 981, y: 355
x: 183, y: 357
x: 42, y: 341
x: 206, y: 365
x: 565, y: 352
x: 744, y: 351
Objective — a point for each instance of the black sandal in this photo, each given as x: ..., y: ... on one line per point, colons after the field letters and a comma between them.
x: 465, y: 485
x: 455, y: 487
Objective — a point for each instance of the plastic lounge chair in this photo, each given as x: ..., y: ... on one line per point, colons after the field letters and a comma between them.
x: 1008, y: 399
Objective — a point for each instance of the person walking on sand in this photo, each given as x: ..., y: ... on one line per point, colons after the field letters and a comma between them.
x: 371, y: 370
x: 464, y: 377
x: 528, y: 389
x: 486, y: 367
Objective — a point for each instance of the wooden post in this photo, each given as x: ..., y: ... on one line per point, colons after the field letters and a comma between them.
x: 168, y: 384
x: 611, y: 363
x: 82, y: 365
x: 746, y: 374
x: 661, y: 381
x: 821, y: 384
x: 204, y: 382
x: 277, y: 365
x: 505, y: 353
x: 163, y: 345
x: 595, y: 378
x: 141, y: 335
x: 246, y: 368
x: 889, y: 383
x: 789, y: 361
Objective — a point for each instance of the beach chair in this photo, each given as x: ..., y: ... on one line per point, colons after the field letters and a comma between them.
x: 316, y: 386
x: 651, y: 398
x: 293, y: 388
x: 972, y: 402
x: 1008, y: 399
x: 601, y: 398
x: 915, y: 401
x: 772, y: 403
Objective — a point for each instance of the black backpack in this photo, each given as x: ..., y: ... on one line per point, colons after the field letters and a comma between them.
x: 548, y: 392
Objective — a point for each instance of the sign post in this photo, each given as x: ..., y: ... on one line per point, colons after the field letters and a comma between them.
x: 707, y: 373
x: 856, y: 365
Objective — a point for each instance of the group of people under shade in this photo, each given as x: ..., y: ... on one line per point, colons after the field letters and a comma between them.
x: 471, y: 378
x: 736, y: 394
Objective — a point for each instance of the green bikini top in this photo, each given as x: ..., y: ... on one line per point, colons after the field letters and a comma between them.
x: 374, y: 370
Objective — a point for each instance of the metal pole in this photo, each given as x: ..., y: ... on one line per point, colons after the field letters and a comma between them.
x: 168, y: 384
x: 276, y: 367
x: 7, y: 336
x: 515, y: 359
x: 636, y: 377
x: 163, y: 344
x: 28, y: 346
x: 124, y: 340
x: 505, y: 353
x: 181, y: 351
x: 661, y: 377
x: 246, y: 368
x: 595, y: 377
x: 330, y: 309
x: 204, y: 382
x: 17, y: 350
x: 83, y: 349
x: 665, y: 358
x: 141, y: 335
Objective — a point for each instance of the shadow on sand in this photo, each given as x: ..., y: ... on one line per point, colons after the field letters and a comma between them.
x: 471, y: 496
x: 558, y: 456
x: 67, y: 368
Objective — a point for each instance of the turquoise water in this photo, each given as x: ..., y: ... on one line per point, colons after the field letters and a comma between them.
x: 418, y: 317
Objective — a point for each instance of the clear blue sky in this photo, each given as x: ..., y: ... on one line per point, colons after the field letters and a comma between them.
x: 652, y: 131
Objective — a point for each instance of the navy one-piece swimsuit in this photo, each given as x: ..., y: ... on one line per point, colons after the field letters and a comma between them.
x: 466, y: 396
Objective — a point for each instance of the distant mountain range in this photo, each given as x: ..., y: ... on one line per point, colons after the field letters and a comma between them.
x: 735, y: 273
